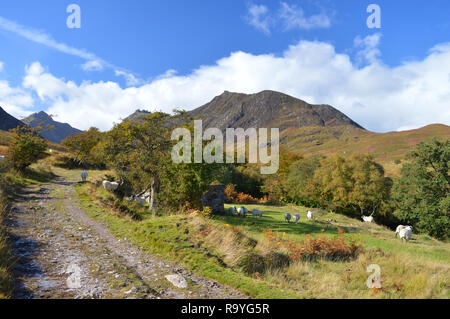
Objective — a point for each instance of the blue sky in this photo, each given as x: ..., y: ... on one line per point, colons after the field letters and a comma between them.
x: 167, y: 54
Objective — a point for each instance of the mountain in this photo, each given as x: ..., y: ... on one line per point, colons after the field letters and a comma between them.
x: 8, y: 121
x: 51, y: 130
x: 310, y: 129
x: 137, y: 115
x: 268, y: 109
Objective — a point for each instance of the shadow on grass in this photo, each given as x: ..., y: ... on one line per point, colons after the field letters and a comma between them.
x: 38, y: 175
x: 269, y: 222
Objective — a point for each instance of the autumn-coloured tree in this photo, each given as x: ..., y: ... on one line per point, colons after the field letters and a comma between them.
x: 84, y: 147
x: 357, y: 182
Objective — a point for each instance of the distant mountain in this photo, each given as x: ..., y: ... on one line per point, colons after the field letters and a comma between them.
x: 51, y: 130
x: 8, y: 121
x: 137, y: 115
x: 268, y: 109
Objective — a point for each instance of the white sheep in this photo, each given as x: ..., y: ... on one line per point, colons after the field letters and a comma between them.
x: 140, y: 200
x: 296, y: 218
x: 367, y: 219
x: 256, y: 212
x: 110, y: 186
x: 399, y: 228
x: 242, y: 211
x: 405, y: 233
x: 287, y: 217
x: 232, y: 210
x: 310, y: 215
x: 84, y: 175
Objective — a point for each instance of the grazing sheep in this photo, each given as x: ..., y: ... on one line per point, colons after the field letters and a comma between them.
x: 2, y: 157
x: 84, y: 175
x: 405, y: 233
x: 256, y: 212
x: 367, y: 219
x: 242, y: 211
x: 110, y: 186
x: 232, y: 210
x: 310, y: 215
x: 399, y: 228
x: 287, y: 217
x: 296, y: 218
x: 140, y: 200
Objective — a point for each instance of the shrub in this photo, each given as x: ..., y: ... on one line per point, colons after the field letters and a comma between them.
x: 336, y: 248
x: 237, y: 197
x: 26, y: 148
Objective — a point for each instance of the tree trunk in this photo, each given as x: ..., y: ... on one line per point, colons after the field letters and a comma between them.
x: 152, y: 197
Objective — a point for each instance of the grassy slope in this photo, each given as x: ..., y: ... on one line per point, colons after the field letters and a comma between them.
x: 385, y: 147
x: 6, y: 137
x: 418, y: 269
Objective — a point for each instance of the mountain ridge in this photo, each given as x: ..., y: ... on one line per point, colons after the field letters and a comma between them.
x: 267, y: 109
x: 7, y: 121
x: 51, y: 130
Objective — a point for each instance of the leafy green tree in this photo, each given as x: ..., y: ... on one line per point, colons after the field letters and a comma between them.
x: 27, y: 147
x: 138, y: 151
x: 422, y: 193
x: 300, y: 174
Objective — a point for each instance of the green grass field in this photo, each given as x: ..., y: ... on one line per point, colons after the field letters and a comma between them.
x: 221, y: 247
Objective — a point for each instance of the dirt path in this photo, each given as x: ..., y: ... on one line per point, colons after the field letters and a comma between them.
x: 62, y: 253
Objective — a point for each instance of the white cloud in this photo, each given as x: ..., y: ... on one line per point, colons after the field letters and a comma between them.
x: 130, y: 79
x: 291, y: 16
x: 377, y: 96
x: 1, y: 66
x: 369, y: 51
x: 258, y: 16
x: 15, y: 100
x: 294, y: 17
x: 93, y: 65
x: 38, y: 36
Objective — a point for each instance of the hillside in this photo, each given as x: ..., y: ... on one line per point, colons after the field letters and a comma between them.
x: 8, y: 121
x: 51, y: 130
x: 312, y: 129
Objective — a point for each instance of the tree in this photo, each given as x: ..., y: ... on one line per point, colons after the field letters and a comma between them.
x: 84, y: 147
x: 370, y: 187
x: 27, y: 147
x: 422, y: 193
x: 357, y: 182
x: 138, y: 151
x: 300, y: 174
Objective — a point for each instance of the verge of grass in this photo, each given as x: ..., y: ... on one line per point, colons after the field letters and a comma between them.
x: 10, y: 182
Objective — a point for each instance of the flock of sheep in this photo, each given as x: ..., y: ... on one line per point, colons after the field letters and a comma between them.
x: 242, y: 212
x: 404, y: 232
